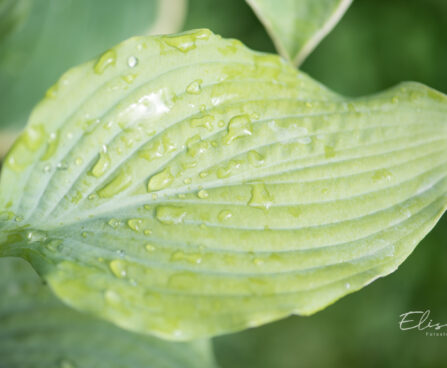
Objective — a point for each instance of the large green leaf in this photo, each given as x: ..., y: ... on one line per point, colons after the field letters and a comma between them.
x: 187, y: 186
x: 37, y: 330
x: 297, y: 26
x: 40, y: 39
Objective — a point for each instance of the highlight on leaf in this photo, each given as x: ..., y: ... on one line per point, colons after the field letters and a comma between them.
x: 209, y: 188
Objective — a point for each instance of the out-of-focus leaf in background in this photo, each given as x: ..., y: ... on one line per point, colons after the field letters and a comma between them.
x: 40, y: 39
x: 38, y: 331
x: 297, y: 26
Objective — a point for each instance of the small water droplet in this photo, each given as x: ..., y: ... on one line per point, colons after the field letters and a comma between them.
x: 36, y: 236
x: 150, y: 248
x: 118, y: 268
x: 106, y: 60
x: 61, y: 166
x: 238, y: 127
x: 255, y: 159
x: 347, y: 285
x: 224, y: 215
x: 194, y: 87
x: 260, y: 197
x: 170, y: 214
x: 47, y: 168
x: 135, y: 224
x: 382, y: 175
x: 132, y: 61
x: 114, y: 223
x: 188, y: 257
x: 202, y: 194
x: 160, y: 181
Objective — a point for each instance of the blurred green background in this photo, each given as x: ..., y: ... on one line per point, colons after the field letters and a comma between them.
x: 377, y: 44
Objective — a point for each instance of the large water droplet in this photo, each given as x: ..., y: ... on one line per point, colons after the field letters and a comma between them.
x: 105, y: 60
x: 195, y: 258
x: 118, y: 268
x: 135, y: 224
x: 260, y: 197
x: 194, y: 87
x: 170, y: 214
x: 160, y: 181
x: 238, y: 127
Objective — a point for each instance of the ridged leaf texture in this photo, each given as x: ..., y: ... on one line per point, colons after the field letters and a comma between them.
x: 186, y: 186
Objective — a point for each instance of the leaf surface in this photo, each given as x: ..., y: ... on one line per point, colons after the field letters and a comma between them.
x: 210, y: 188
x: 297, y: 26
x: 38, y: 331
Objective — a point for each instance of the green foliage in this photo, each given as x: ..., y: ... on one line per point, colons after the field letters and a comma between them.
x: 297, y: 26
x: 189, y: 170
x: 40, y: 39
x: 38, y: 331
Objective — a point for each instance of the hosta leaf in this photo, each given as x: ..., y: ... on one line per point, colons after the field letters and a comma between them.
x: 187, y: 186
x: 40, y: 39
x: 37, y: 330
x: 297, y: 26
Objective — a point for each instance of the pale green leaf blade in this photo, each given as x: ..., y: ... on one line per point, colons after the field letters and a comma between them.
x: 43, y: 38
x: 38, y: 331
x: 297, y: 26
x: 190, y: 171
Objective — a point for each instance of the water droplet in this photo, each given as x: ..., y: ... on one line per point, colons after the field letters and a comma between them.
x: 160, y: 181
x: 102, y: 164
x: 347, y: 285
x: 258, y: 261
x: 202, y: 194
x: 170, y: 214
x: 118, y: 268
x: 132, y: 61
x: 382, y: 175
x: 255, y: 159
x: 194, y: 87
x: 114, y: 223
x: 203, y: 121
x: 187, y: 181
x: 150, y: 248
x: 61, y: 166
x: 238, y: 127
x: 226, y: 171
x: 47, y: 168
x: 135, y: 224
x: 112, y: 297
x: 53, y: 143
x: 204, y: 174
x: 187, y: 41
x: 147, y: 232
x: 36, y: 236
x: 260, y: 197
x: 224, y: 215
x: 121, y: 182
x: 188, y: 257
x: 106, y: 60
x: 79, y: 161
x: 19, y: 219
x: 121, y: 253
